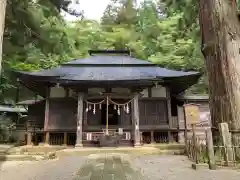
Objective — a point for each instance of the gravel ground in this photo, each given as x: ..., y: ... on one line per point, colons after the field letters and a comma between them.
x: 63, y: 169
x: 179, y: 168
x: 151, y: 167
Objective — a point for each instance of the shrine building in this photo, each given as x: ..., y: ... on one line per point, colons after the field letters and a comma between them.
x: 106, y: 99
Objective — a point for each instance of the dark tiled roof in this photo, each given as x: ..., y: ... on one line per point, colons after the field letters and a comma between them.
x: 110, y: 73
x: 118, y: 68
x: 109, y: 60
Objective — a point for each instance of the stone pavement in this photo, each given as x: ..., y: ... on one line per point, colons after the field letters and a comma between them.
x: 112, y: 166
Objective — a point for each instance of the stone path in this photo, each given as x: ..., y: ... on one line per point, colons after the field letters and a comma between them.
x: 112, y: 166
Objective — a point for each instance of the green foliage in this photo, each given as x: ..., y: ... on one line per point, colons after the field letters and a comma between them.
x: 6, y: 128
x: 120, y: 12
x: 37, y: 37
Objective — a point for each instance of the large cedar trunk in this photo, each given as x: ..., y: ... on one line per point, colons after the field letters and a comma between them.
x: 3, y: 4
x: 220, y: 29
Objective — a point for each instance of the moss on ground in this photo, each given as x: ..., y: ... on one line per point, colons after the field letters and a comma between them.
x: 107, y: 168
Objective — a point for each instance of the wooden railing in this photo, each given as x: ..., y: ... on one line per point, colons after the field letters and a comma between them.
x: 58, y: 138
x: 161, y: 137
x: 94, y: 136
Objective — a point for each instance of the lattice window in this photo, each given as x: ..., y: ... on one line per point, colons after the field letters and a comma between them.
x: 153, y: 112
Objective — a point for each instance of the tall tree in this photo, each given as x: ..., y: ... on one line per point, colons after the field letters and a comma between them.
x: 37, y: 37
x: 120, y: 12
x: 3, y: 4
x: 220, y: 30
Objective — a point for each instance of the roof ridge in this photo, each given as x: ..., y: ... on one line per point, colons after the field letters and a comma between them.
x: 110, y: 60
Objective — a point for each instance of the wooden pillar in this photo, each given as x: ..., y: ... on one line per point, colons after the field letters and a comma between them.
x: 47, y: 137
x: 181, y: 123
x: 28, y: 133
x: 29, y: 138
x: 185, y: 130
x: 107, y: 104
x: 136, y: 121
x: 85, y: 118
x: 152, y: 137
x: 169, y: 111
x: 132, y: 124
x: 46, y: 119
x: 79, y: 134
x: 65, y: 139
x: 170, y: 137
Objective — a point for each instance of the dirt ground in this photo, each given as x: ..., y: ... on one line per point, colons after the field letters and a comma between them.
x: 110, y: 166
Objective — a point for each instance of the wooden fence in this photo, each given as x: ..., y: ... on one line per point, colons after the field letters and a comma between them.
x: 214, y: 151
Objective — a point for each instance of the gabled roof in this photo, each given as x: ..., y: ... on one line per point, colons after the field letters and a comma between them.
x: 114, y: 73
x: 111, y: 69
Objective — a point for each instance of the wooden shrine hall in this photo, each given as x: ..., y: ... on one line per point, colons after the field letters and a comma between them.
x: 106, y: 99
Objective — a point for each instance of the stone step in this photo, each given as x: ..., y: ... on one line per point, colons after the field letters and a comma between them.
x: 163, y: 146
x: 20, y: 158
x: 137, y: 151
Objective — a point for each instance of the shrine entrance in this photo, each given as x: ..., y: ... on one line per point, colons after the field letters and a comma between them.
x: 111, y: 110
x: 113, y: 117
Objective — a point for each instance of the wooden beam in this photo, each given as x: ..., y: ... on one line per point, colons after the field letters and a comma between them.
x: 111, y: 95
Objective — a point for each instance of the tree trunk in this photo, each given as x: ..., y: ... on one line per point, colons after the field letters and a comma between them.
x: 220, y: 29
x: 3, y: 4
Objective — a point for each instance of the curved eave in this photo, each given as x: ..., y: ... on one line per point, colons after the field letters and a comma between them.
x: 177, y: 83
x: 34, y: 82
x: 180, y: 84
x: 32, y: 75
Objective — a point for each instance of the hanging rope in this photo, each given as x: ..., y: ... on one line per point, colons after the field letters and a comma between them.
x: 100, y: 102
x: 89, y: 108
x: 118, y: 104
x: 125, y: 105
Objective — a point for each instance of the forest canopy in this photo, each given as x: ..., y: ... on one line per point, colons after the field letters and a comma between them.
x: 38, y: 37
